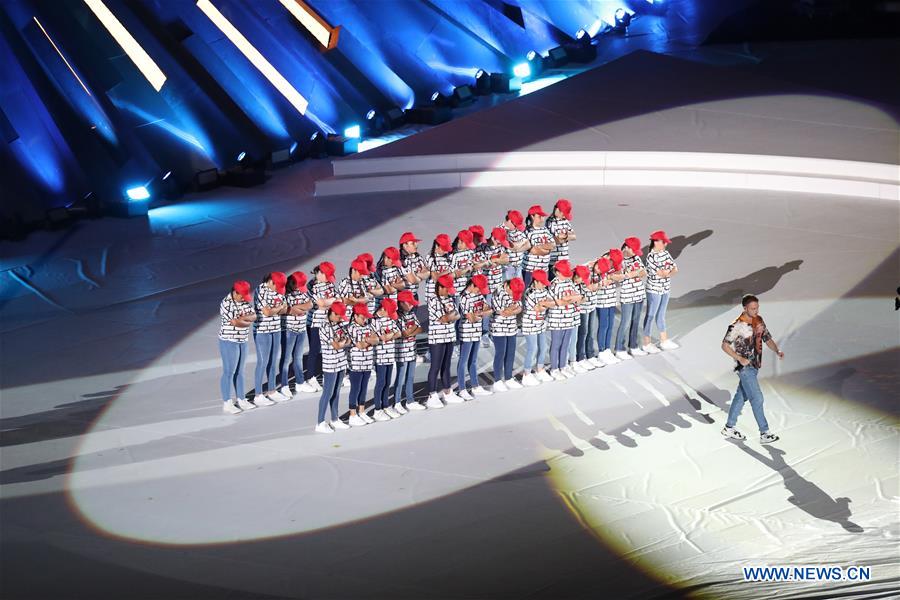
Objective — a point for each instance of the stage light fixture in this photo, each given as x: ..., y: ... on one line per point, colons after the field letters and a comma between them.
x: 167, y: 175
x: 352, y: 132
x: 370, y: 115
x: 462, y: 95
x: 522, y: 70
x: 324, y: 33
x: 241, y: 156
x: 394, y: 117
x: 137, y: 193
x: 623, y: 20
x: 132, y: 48
x: 253, y: 55
x: 558, y: 56
x: 581, y: 34
x: 439, y: 99
x: 482, y: 82
x: 535, y: 63
x: 293, y: 148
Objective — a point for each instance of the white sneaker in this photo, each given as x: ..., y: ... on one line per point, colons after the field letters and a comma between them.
x: 465, y: 395
x: 587, y: 364
x: 568, y: 372
x: 260, y: 400
x: 307, y: 387
x: 413, y: 405
x: 381, y: 416
x: 451, y: 398
x: 609, y: 358
x: 597, y: 362
x: 622, y: 355
x: 245, y: 404
x: 398, y: 408
x: 529, y: 380
x: 277, y: 396
x: 357, y: 421
x: 286, y: 392
x: 480, y: 391
x: 434, y: 401
x: 577, y: 368
x: 230, y: 409
x: 731, y: 432
x: 369, y: 420
x: 651, y: 349
x: 389, y: 411
x: 338, y: 424
x: 668, y: 345
x: 315, y: 383
x: 324, y: 427
x: 637, y: 352
x: 499, y: 387
x: 512, y: 384
x: 543, y: 375
x: 557, y: 375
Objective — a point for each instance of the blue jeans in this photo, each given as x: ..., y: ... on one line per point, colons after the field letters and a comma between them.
x: 233, y: 356
x: 293, y: 355
x: 559, y: 347
x: 403, y: 383
x: 504, y: 355
x: 629, y: 325
x: 468, y: 361
x: 383, y: 385
x: 314, y: 356
x: 572, y: 349
x: 606, y: 318
x: 748, y: 389
x: 527, y: 277
x: 331, y: 389
x: 439, y: 370
x: 656, y: 312
x: 268, y: 348
x: 535, y: 351
x: 485, y: 321
x: 587, y: 332
x: 359, y: 387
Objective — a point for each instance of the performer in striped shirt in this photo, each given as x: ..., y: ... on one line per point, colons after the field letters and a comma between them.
x: 389, y: 272
x: 353, y: 289
x: 323, y: 294
x: 631, y: 296
x: 406, y: 351
x: 514, y: 226
x: 237, y: 315
x: 660, y: 268
x: 606, y: 267
x: 560, y: 225
x: 561, y: 319
x: 506, y: 306
x: 583, y: 336
x: 335, y: 340
x: 494, y: 251
x: 299, y: 303
x: 270, y: 305
x: 414, y: 267
x: 442, y: 317
x: 373, y: 286
x: 385, y: 324
x: 473, y: 307
x: 481, y: 261
x: 535, y: 303
x: 361, y: 361
x: 541, y: 240
x: 438, y: 262
x: 462, y: 260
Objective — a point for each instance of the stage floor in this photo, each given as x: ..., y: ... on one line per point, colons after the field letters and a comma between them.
x: 122, y: 477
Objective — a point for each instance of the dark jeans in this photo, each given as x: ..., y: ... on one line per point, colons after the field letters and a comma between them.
x: 383, y: 385
x: 440, y: 366
x: 559, y: 348
x: 468, y: 362
x: 403, y: 382
x: 504, y: 356
x: 629, y: 326
x: 314, y: 356
x: 359, y: 388
x: 331, y: 389
x: 606, y: 318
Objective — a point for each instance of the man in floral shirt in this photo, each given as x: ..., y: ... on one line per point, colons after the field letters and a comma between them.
x: 743, y: 342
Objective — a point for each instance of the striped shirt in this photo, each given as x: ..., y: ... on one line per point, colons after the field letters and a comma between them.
x: 503, y: 326
x: 230, y: 310
x: 385, y: 352
x: 632, y: 290
x: 435, y: 264
x: 514, y: 236
x: 387, y: 277
x: 562, y: 317
x: 371, y: 283
x: 295, y: 323
x: 659, y: 260
x: 537, y: 236
x: 406, y: 347
x: 267, y: 298
x: 608, y: 297
x: 361, y: 360
x: 470, y: 303
x: 533, y: 320
x: 462, y: 260
x: 587, y: 299
x: 333, y: 361
x: 439, y: 333
x: 493, y: 272
x: 320, y: 291
x: 558, y: 226
x: 348, y: 288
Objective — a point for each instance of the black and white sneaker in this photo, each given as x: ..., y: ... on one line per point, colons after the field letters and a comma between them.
x: 734, y: 434
x: 768, y: 438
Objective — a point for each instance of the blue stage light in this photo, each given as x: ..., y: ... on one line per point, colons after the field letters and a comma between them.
x: 313, y: 137
x: 241, y: 156
x: 370, y: 115
x: 531, y: 55
x: 352, y: 131
x: 293, y: 147
x: 581, y: 33
x: 522, y: 70
x: 137, y: 193
x: 167, y: 175
x: 623, y: 20
x: 479, y: 73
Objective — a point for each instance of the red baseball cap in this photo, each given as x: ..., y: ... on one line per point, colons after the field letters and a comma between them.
x: 393, y: 254
x: 390, y: 307
x: 481, y: 282
x: 603, y: 265
x: 584, y: 273
x: 361, y: 309
x: 566, y: 207
x: 443, y: 240
x: 466, y: 236
x: 499, y: 235
x: 279, y: 279
x: 408, y: 237
x: 660, y: 235
x: 340, y: 309
x: 327, y: 269
x: 447, y: 282
x: 408, y: 297
x: 516, y: 218
x: 635, y: 245
x: 516, y: 288
x: 563, y: 268
x: 540, y: 276
x: 369, y: 260
x: 299, y: 279
x: 536, y: 210
x: 242, y: 288
x: 477, y: 230
x: 361, y: 266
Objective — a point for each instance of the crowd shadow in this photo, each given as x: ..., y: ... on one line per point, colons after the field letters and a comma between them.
x: 678, y: 243
x: 730, y: 292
